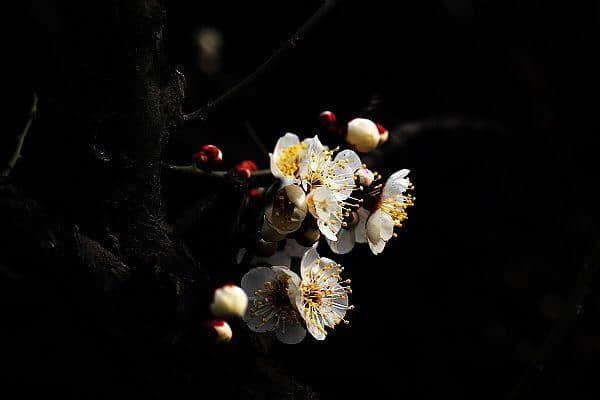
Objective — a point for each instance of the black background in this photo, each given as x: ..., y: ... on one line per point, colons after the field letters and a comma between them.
x: 506, y: 216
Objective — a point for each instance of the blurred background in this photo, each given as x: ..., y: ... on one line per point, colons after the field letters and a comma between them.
x: 489, y: 289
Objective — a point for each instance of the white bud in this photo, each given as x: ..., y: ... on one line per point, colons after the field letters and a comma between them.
x: 363, y: 134
x: 365, y: 176
x: 229, y: 301
x: 221, y: 330
x: 288, y: 209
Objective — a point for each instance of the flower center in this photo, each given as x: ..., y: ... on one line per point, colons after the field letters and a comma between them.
x: 289, y: 159
x: 273, y: 302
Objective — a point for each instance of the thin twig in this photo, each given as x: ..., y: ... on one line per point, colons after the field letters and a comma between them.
x: 192, y: 170
x: 204, y: 112
x: 21, y: 138
x: 255, y: 138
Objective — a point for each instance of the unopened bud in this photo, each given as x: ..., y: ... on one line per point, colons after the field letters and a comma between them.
x: 256, y: 192
x: 221, y: 330
x: 215, y: 155
x: 229, y: 301
x: 363, y: 134
x: 365, y: 176
x: 328, y: 120
x: 247, y: 164
x: 383, y: 133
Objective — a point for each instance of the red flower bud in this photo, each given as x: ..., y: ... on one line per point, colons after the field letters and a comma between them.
x: 256, y: 192
x: 248, y: 164
x: 328, y: 120
x: 220, y: 330
x: 200, y: 158
x: 383, y: 133
x: 242, y: 172
x: 215, y: 155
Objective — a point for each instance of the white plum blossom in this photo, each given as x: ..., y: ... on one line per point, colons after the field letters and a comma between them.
x: 322, y: 299
x: 287, y: 157
x: 329, y: 182
x: 390, y: 211
x: 270, y: 309
x: 347, y: 237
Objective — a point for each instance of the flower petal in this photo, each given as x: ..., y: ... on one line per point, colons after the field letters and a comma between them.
x: 329, y: 228
x: 351, y: 158
x: 289, y: 139
x: 396, y: 184
x: 344, y: 243
x: 309, y: 258
x: 360, y: 231
x: 291, y: 334
x: 255, y: 279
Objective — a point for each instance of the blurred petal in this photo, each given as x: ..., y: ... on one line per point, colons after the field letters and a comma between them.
x: 360, y: 231
x: 345, y: 242
x: 255, y: 279
x: 309, y: 258
x: 291, y: 334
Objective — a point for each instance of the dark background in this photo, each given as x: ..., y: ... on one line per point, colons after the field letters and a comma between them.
x: 493, y: 108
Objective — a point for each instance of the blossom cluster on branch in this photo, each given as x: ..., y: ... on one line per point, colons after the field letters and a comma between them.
x: 319, y: 191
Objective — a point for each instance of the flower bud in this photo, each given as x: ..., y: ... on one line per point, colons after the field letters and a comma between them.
x: 256, y: 192
x: 365, y: 176
x: 268, y: 232
x: 247, y: 164
x: 383, y: 133
x: 200, y: 159
x: 229, y: 301
x: 327, y: 119
x: 363, y: 134
x: 221, y: 330
x: 288, y: 210
x: 214, y: 154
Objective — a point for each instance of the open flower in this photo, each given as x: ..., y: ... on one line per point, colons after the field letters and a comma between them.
x: 322, y: 299
x: 329, y: 182
x: 269, y: 292
x: 287, y: 157
x: 348, y: 236
x: 390, y: 211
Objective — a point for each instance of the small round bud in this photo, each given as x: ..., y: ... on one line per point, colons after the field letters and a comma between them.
x: 289, y: 209
x: 328, y: 120
x: 362, y: 133
x: 243, y: 172
x: 221, y: 330
x: 229, y: 301
x: 383, y: 133
x: 215, y: 155
x: 248, y: 164
x: 256, y: 192
x: 365, y: 176
x: 265, y: 249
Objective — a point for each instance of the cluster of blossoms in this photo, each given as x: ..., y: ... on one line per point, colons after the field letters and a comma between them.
x: 327, y: 192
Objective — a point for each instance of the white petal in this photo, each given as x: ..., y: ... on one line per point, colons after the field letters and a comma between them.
x: 256, y: 322
x: 344, y: 243
x: 351, y: 158
x: 309, y: 258
x: 380, y: 226
x: 329, y: 228
x: 360, y: 232
x: 396, y: 184
x: 286, y: 140
x: 377, y: 247
x: 255, y: 279
x: 316, y: 329
x: 291, y: 334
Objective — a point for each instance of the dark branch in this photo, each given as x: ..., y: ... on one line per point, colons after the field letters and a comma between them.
x: 204, y: 112
x: 21, y: 139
